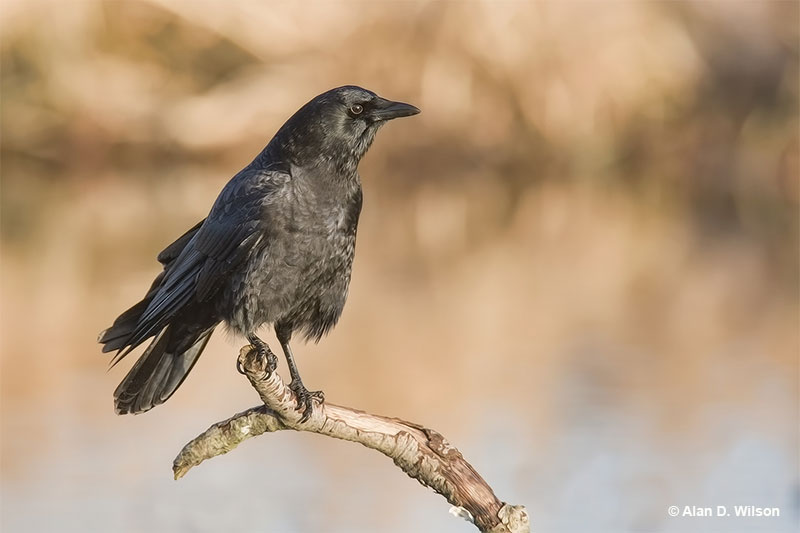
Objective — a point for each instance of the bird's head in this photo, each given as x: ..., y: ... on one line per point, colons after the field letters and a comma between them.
x: 339, y: 125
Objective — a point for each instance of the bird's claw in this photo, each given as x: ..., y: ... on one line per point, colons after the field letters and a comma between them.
x: 272, y: 360
x: 305, y: 399
x: 262, y: 352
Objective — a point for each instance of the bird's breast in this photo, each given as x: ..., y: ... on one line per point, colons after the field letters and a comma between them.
x: 303, y: 262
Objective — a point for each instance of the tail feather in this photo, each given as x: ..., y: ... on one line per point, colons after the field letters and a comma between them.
x: 181, y: 330
x: 129, y: 391
x: 159, y: 371
x: 116, y: 337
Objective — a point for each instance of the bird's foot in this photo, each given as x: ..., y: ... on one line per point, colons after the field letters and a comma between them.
x: 262, y: 352
x: 305, y: 398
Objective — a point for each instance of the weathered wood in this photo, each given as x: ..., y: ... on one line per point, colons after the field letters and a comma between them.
x: 420, y: 452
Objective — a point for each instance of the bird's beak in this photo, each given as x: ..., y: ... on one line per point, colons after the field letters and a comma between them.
x: 387, y: 110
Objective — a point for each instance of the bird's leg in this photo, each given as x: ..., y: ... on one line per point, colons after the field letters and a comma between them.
x: 304, y: 396
x: 263, y: 352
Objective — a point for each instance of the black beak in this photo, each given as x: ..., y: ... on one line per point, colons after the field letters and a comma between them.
x: 387, y: 110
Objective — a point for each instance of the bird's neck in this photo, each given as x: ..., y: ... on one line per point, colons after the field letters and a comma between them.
x: 338, y: 162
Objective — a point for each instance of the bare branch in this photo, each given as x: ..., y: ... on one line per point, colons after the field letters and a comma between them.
x: 420, y: 452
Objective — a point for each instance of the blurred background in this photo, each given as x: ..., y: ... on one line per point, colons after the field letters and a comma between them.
x: 579, y: 263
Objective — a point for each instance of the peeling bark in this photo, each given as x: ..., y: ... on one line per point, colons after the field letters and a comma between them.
x: 420, y: 452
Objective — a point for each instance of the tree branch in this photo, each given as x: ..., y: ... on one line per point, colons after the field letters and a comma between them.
x: 420, y: 452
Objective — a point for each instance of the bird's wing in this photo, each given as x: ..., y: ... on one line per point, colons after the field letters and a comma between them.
x: 171, y: 252
x: 222, y: 241
x: 116, y: 337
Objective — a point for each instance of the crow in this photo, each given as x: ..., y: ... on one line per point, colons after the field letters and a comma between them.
x: 276, y: 249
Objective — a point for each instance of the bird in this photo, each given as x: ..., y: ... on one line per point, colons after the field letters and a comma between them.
x: 276, y: 249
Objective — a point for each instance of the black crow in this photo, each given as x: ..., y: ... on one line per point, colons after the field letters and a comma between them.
x: 276, y: 248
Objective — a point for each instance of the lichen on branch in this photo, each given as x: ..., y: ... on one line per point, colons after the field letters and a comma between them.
x: 420, y: 452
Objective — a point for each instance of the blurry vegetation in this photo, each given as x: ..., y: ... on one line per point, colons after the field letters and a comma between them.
x: 689, y: 108
x: 666, y: 131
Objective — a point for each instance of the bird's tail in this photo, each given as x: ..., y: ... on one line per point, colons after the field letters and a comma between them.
x: 160, y: 370
x: 118, y: 335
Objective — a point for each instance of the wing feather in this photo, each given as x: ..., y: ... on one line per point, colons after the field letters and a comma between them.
x: 215, y: 247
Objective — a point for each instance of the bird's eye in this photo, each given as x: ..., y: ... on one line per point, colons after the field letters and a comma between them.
x: 356, y: 109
